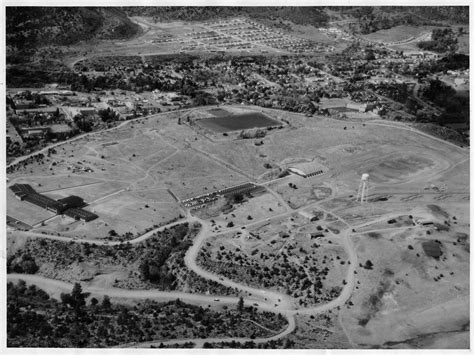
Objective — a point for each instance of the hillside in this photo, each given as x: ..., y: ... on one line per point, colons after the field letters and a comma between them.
x: 364, y: 19
x: 367, y: 19
x: 33, y: 27
x: 301, y: 15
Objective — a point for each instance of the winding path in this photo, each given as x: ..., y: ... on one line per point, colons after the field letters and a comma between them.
x: 263, y: 299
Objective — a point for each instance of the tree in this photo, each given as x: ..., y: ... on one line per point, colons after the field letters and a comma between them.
x: 238, y: 197
x: 369, y: 54
x: 65, y: 298
x: 368, y: 265
x: 94, y: 301
x: 108, y: 115
x: 123, y: 317
x: 106, y: 305
x: 26, y: 265
x: 102, y: 332
x: 240, y: 304
x: 78, y: 298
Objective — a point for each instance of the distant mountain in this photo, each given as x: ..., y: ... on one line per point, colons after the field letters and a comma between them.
x: 33, y: 27
x: 28, y: 27
x: 367, y: 19
x: 301, y: 15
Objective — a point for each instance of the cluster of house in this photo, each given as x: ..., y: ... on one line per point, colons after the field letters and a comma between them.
x: 242, y: 31
x: 459, y: 77
x: 240, y: 34
x: 336, y: 33
x: 34, y: 123
x: 122, y: 65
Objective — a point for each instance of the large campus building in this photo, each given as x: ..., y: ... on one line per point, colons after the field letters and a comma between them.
x: 306, y: 169
x: 69, y: 206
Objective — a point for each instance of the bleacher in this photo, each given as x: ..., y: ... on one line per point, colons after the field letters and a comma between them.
x: 203, y: 200
x: 243, y: 188
x: 315, y: 173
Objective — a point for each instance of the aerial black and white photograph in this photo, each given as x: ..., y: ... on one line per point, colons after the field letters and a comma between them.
x: 236, y: 177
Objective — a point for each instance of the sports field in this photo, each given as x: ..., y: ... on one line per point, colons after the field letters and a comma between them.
x: 237, y: 122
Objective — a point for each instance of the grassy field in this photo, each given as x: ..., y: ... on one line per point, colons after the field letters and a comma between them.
x: 398, y: 33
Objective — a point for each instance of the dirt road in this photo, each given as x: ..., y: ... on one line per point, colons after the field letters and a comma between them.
x: 55, y: 288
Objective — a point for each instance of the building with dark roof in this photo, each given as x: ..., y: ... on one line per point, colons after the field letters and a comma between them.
x: 80, y: 214
x: 45, y: 202
x: 69, y: 206
x: 22, y: 190
x: 72, y: 201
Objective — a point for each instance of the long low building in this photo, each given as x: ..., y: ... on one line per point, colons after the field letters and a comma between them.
x: 307, y: 169
x: 201, y: 200
x: 80, y: 214
x: 69, y: 206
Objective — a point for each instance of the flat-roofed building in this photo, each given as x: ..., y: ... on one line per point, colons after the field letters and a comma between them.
x: 69, y: 206
x: 80, y: 214
x: 34, y: 131
x: 72, y: 201
x: 307, y: 169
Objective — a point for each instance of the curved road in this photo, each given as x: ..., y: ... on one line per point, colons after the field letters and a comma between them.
x: 56, y: 287
x: 263, y: 299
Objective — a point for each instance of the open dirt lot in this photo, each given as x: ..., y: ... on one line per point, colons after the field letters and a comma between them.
x: 408, y: 295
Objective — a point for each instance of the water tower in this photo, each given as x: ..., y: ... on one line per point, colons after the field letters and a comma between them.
x: 363, y: 188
